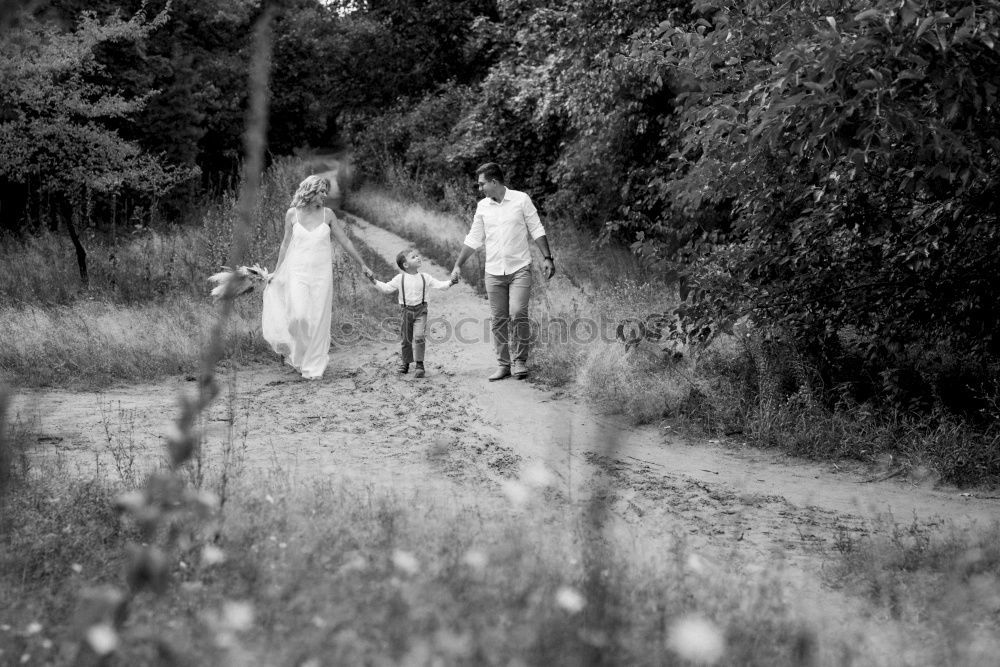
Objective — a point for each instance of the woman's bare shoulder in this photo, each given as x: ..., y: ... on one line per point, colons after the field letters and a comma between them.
x: 332, y: 219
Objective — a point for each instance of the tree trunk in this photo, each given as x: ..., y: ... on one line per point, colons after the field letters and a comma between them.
x: 81, y: 252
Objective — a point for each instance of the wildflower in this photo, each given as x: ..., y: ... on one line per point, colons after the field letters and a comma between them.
x: 570, y: 599
x: 516, y: 492
x: 405, y: 561
x: 697, y: 564
x: 537, y: 475
x: 212, y: 555
x: 33, y: 628
x: 237, y: 616
x: 475, y: 559
x: 697, y: 639
x: 102, y: 638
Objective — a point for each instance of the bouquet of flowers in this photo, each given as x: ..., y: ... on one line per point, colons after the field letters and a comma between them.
x: 238, y: 281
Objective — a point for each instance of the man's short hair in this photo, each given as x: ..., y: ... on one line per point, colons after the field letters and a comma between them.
x: 492, y: 172
x: 401, y: 259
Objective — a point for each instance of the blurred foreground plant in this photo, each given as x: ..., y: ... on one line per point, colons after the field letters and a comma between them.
x: 167, y: 512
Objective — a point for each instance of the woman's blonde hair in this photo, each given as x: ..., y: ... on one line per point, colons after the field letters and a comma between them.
x: 311, y: 189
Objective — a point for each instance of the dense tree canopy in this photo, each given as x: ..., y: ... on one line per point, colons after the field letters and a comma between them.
x: 55, y: 130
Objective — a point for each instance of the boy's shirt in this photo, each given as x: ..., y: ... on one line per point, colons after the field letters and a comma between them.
x: 412, y: 286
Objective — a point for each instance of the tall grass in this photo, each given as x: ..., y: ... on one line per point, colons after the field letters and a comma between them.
x: 91, y: 344
x: 148, y: 263
x: 147, y: 313
x: 41, y: 269
x: 949, y: 582
x: 329, y: 573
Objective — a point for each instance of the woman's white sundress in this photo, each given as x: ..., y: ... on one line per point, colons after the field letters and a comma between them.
x: 298, y: 301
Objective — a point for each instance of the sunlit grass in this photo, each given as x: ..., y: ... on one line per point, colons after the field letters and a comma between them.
x: 91, y: 344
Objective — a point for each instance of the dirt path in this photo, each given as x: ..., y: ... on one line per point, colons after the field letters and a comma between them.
x: 459, y: 436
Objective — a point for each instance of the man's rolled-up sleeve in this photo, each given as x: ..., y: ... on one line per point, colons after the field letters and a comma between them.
x: 477, y: 233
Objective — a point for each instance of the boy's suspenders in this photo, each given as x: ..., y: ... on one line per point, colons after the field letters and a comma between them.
x: 402, y: 288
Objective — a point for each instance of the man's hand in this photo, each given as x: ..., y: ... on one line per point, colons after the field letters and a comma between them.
x: 456, y: 274
x: 548, y: 268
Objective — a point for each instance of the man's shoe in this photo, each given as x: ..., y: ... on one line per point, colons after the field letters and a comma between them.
x: 419, y: 372
x: 519, y: 370
x: 403, y: 369
x: 501, y: 373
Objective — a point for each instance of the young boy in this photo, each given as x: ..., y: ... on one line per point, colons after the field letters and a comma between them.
x: 412, y: 286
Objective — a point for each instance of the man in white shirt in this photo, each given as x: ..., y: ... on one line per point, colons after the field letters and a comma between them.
x: 504, y: 218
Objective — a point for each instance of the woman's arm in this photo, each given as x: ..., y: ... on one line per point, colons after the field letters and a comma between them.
x: 340, y: 237
x: 289, y: 223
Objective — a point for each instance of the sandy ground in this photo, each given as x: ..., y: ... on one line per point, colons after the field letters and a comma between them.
x: 455, y: 435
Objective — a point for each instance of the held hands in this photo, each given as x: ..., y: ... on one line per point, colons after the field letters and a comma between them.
x: 369, y: 274
x: 456, y: 274
x: 548, y: 268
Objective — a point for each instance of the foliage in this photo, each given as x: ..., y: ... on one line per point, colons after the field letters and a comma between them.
x: 854, y: 151
x: 53, y: 131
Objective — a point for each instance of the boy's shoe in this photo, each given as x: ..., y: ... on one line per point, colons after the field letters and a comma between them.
x: 501, y: 373
x: 403, y: 369
x: 419, y: 372
x: 519, y: 370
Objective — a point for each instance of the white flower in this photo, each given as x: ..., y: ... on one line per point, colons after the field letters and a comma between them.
x: 697, y: 564
x: 212, y: 555
x: 516, y: 492
x: 475, y: 559
x: 697, y: 639
x: 405, y: 561
x: 570, y: 599
x: 537, y: 475
x: 237, y: 616
x: 102, y: 638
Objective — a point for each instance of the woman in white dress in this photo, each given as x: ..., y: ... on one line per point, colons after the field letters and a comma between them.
x: 299, y: 297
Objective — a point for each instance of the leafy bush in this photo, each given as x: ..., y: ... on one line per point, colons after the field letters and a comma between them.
x: 851, y: 149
